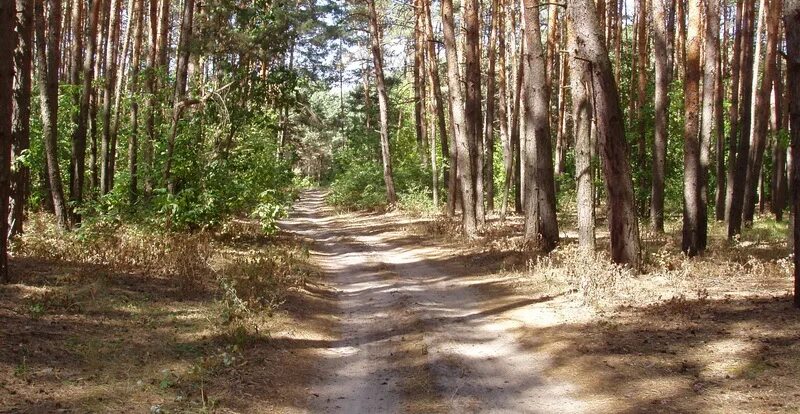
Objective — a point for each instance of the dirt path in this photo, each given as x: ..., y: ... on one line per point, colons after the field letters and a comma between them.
x: 416, y: 336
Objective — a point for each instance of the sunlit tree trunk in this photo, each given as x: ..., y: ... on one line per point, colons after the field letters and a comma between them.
x: 761, y: 111
x: 663, y: 78
x: 133, y: 140
x: 692, y: 157
x: 458, y: 111
x: 419, y: 83
x: 78, y: 160
x: 473, y: 120
x: 623, y: 226
x: 491, y: 89
x: 580, y: 86
x: 735, y: 201
x: 449, y: 166
x: 108, y: 95
x: 541, y: 226
x: 383, y: 101
x: 48, y: 56
x: 21, y: 119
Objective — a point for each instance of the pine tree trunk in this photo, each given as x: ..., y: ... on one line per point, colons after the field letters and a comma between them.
x: 580, y: 85
x: 693, y: 223
x: 791, y: 21
x: 623, y: 226
x: 760, y: 112
x: 745, y: 118
x: 108, y: 95
x: 719, y: 122
x: 21, y: 119
x: 541, y: 226
x: 48, y: 39
x: 472, y: 102
x: 419, y: 83
x: 7, y: 45
x: 78, y: 160
x: 778, y: 181
x: 383, y: 101
x: 133, y: 141
x: 491, y: 89
x: 663, y: 79
x: 458, y: 111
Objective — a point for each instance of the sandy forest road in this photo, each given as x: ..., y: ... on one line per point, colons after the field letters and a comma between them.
x: 414, y: 336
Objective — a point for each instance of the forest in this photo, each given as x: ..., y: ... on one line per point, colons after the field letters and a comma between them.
x: 417, y: 206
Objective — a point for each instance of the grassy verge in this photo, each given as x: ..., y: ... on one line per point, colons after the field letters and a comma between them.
x: 124, y: 319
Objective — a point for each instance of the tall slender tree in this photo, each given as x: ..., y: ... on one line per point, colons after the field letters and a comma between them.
x: 7, y: 46
x: 48, y: 57
x: 587, y: 45
x: 791, y: 23
x: 541, y: 226
x: 462, y: 140
x: 383, y: 100
x: 23, y: 68
x: 663, y: 77
x: 692, y: 164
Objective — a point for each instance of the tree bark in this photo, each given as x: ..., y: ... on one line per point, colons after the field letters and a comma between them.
x: 458, y: 111
x: 580, y: 85
x: 743, y: 148
x: 588, y: 44
x: 541, y: 226
x: 692, y: 159
x: 791, y: 21
x: 663, y: 78
x: 21, y: 118
x: 419, y: 83
x: 491, y: 89
x: 133, y: 141
x: 472, y: 102
x: 78, y: 160
x: 48, y: 39
x: 7, y: 45
x: 761, y: 112
x: 108, y: 96
x: 448, y: 171
x: 383, y: 101
x: 778, y: 181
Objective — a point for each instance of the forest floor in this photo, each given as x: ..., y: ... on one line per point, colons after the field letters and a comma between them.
x: 398, y: 314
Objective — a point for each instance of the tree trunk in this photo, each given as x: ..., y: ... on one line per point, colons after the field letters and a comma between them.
x: 516, y: 148
x: 503, y: 108
x: 150, y: 82
x: 78, y: 161
x: 488, y: 166
x: 760, y: 112
x: 458, y: 111
x: 383, y: 101
x: 580, y: 85
x: 663, y: 79
x: 181, y: 84
x: 48, y: 39
x: 745, y: 92
x: 7, y: 46
x: 472, y: 101
x: 778, y: 181
x: 791, y: 21
x: 624, y: 230
x: 108, y: 96
x: 133, y: 141
x: 719, y: 122
x: 419, y: 83
x: 21, y: 118
x: 448, y: 171
x: 541, y: 226
x: 693, y: 223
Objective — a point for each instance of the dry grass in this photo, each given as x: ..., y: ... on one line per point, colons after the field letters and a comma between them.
x: 120, y: 319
